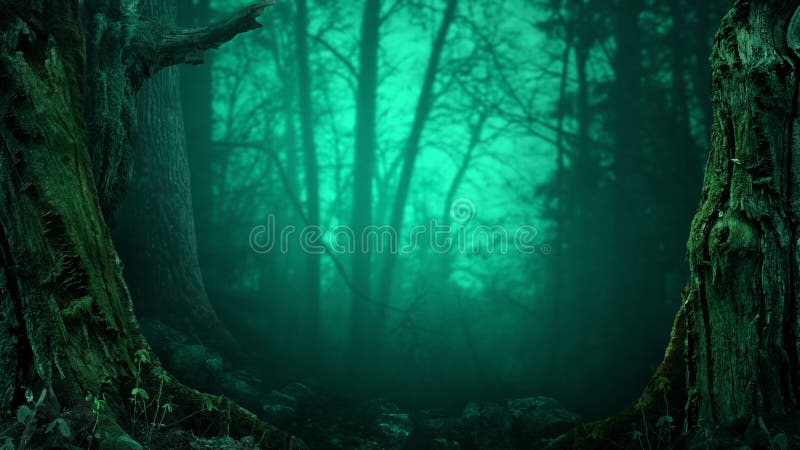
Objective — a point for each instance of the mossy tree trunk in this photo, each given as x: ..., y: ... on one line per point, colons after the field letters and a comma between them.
x: 733, y: 361
x: 742, y: 306
x: 66, y: 323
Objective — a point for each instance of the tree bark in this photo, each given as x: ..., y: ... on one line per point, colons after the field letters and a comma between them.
x: 66, y: 324
x: 734, y: 357
x: 742, y: 308
x: 123, y: 50
x: 198, y: 114
x: 155, y: 232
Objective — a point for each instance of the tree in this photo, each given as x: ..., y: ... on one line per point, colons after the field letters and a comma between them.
x: 312, y: 323
x: 196, y: 98
x: 412, y: 145
x: 363, y: 313
x: 733, y: 363
x: 67, y: 327
x: 155, y: 231
x: 743, y: 242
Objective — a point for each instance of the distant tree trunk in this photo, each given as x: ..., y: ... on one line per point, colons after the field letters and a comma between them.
x: 155, y: 232
x: 66, y: 323
x: 581, y: 255
x: 412, y: 146
x: 562, y: 208
x: 700, y: 70
x: 632, y: 286
x: 734, y: 357
x: 563, y: 211
x: 363, y: 313
x: 311, y: 309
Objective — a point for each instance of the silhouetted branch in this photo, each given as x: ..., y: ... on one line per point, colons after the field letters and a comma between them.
x: 336, y: 53
x: 157, y: 46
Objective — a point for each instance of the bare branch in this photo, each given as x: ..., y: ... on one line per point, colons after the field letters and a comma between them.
x: 391, y: 10
x: 158, y: 46
x: 336, y: 53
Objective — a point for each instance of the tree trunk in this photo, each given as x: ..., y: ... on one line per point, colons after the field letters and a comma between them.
x: 155, y: 232
x: 734, y: 357
x: 311, y: 310
x: 197, y: 99
x: 742, y: 308
x: 362, y: 313
x: 412, y: 146
x: 632, y: 293
x: 66, y: 324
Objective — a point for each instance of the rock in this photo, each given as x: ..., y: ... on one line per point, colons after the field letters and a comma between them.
x: 369, y: 445
x: 379, y: 406
x: 488, y: 425
x: 160, y: 336
x: 197, y: 356
x: 279, y: 407
x: 394, y: 429
x: 441, y: 443
x: 238, y: 388
x: 224, y: 443
x: 447, y: 427
x: 440, y: 433
x: 534, y: 418
x: 282, y: 405
x: 110, y: 436
x: 520, y: 423
x: 435, y: 431
x: 282, y: 397
x: 277, y: 413
x: 194, y: 363
x: 298, y: 390
x: 349, y: 442
x: 122, y: 442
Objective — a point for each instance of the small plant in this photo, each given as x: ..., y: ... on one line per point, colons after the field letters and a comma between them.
x: 97, y: 405
x: 26, y: 416
x: 138, y: 393
x: 664, y: 425
x: 61, y: 425
x: 153, y: 411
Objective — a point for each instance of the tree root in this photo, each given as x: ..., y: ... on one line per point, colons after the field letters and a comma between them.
x: 654, y: 416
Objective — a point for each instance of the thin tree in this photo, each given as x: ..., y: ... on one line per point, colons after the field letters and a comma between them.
x: 425, y: 103
x: 304, y: 86
x: 362, y: 313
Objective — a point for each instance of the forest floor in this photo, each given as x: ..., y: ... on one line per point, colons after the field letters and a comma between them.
x: 327, y: 420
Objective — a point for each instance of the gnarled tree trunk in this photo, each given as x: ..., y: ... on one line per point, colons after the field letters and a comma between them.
x: 66, y: 324
x: 733, y: 363
x: 742, y: 315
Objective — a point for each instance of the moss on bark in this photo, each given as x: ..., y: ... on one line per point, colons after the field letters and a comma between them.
x: 66, y: 323
x: 734, y: 349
